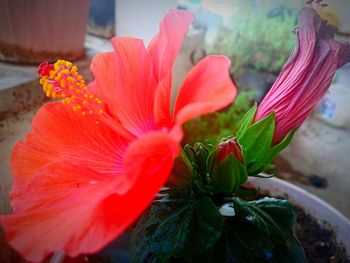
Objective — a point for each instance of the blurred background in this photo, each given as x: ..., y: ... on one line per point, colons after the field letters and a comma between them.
x: 257, y: 36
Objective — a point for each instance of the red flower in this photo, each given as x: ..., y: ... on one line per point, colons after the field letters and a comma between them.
x: 306, y: 76
x: 84, y: 175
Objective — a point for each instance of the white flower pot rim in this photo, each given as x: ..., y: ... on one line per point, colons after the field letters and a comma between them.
x: 324, y: 213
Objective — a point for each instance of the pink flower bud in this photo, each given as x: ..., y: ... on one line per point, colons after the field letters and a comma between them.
x: 306, y: 76
x: 227, y: 147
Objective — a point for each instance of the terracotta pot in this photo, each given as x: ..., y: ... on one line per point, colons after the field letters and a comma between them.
x: 37, y: 30
x: 326, y: 215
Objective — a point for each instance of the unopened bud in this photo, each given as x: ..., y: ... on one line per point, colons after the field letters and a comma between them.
x: 227, y: 147
x: 226, y: 167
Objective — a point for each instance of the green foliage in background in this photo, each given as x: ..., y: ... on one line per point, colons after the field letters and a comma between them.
x: 257, y: 40
x: 213, y: 127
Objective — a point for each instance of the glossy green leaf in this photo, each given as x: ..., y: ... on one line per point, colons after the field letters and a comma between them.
x: 183, y: 231
x: 206, y: 227
x: 247, y: 120
x: 248, y: 244
x: 280, y: 210
x: 251, y: 213
x: 283, y: 144
x: 265, y: 228
x: 257, y: 141
x: 139, y: 250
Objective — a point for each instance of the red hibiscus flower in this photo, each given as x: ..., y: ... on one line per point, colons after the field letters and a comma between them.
x: 93, y: 163
x: 306, y: 76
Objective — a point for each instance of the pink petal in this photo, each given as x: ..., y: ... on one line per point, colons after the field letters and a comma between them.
x: 306, y: 76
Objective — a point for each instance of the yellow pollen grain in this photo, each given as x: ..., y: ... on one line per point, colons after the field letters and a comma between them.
x: 64, y: 82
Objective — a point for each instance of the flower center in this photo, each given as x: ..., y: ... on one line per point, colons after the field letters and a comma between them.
x: 62, y: 80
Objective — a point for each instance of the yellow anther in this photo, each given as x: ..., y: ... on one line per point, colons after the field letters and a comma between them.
x: 68, y: 64
x: 76, y: 107
x: 52, y: 74
x: 63, y: 83
x: 61, y: 80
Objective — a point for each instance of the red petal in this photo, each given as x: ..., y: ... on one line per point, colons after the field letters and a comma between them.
x: 206, y: 88
x: 59, y: 209
x: 166, y: 44
x: 60, y: 133
x: 163, y: 49
x: 70, y: 208
x: 124, y: 81
x: 162, y: 113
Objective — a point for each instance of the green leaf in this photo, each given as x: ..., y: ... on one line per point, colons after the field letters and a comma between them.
x: 251, y: 213
x: 261, y: 231
x: 247, y: 119
x: 206, y: 229
x: 139, y: 250
x: 247, y: 244
x: 283, y: 144
x: 280, y: 210
x: 257, y: 141
x: 169, y: 236
x: 183, y: 230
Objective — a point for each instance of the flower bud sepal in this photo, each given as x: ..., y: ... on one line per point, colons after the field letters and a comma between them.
x: 226, y: 167
x: 256, y: 139
x: 228, y: 175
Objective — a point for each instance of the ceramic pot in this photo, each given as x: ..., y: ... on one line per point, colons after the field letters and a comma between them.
x: 38, y: 30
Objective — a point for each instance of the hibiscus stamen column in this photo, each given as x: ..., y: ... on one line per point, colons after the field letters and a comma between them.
x: 62, y: 81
